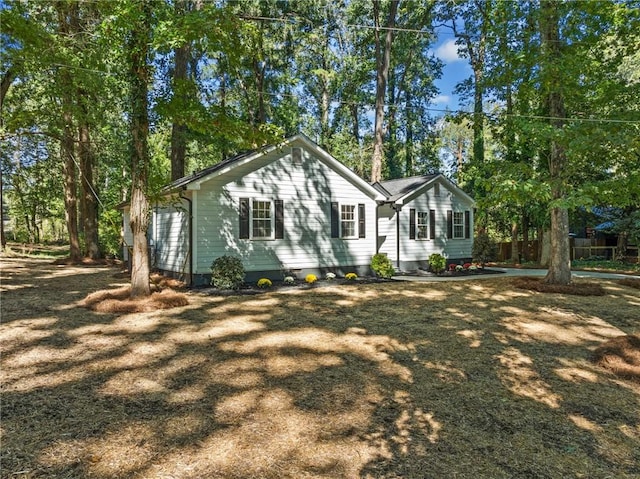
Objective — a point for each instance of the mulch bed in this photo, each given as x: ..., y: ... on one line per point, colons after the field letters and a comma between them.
x: 630, y: 282
x: 576, y: 289
x: 621, y: 356
x: 249, y: 289
x: 164, y: 295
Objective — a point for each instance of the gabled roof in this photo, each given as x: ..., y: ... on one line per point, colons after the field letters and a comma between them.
x: 400, y: 187
x: 402, y: 190
x: 193, y: 181
x: 185, y: 180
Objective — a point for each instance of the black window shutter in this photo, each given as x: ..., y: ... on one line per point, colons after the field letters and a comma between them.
x: 449, y: 224
x: 467, y: 224
x: 335, y: 220
x: 362, y: 231
x: 432, y: 224
x: 412, y: 223
x: 244, y: 218
x: 279, y: 228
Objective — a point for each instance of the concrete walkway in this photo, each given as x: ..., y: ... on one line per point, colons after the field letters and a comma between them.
x: 514, y: 272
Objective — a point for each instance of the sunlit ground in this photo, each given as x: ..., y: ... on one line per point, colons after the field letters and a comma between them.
x: 390, y: 380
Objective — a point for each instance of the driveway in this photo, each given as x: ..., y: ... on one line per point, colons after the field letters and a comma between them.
x: 515, y: 272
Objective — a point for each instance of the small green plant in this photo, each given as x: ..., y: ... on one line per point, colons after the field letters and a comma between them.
x: 437, y: 263
x: 311, y: 278
x: 289, y: 280
x: 264, y: 283
x: 382, y: 265
x: 484, y: 249
x: 330, y: 276
x: 227, y: 272
x: 350, y: 276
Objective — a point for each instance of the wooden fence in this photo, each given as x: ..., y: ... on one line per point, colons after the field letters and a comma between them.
x: 581, y: 248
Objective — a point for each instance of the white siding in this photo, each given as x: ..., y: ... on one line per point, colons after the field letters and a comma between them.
x: 170, y: 237
x: 387, y: 231
x: 307, y: 190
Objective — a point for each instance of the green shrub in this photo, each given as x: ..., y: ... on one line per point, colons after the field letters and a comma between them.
x: 437, y: 263
x: 382, y: 266
x: 264, y: 283
x: 484, y: 249
x: 227, y: 272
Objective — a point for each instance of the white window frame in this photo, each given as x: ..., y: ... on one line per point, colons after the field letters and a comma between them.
x: 422, y: 228
x: 458, y: 225
x: 271, y: 219
x: 353, y: 220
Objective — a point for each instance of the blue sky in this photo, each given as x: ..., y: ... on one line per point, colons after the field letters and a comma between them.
x: 455, y: 70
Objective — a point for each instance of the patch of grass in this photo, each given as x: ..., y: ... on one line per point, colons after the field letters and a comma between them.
x: 27, y: 250
x: 621, y: 356
x: 605, y: 265
x: 576, y: 289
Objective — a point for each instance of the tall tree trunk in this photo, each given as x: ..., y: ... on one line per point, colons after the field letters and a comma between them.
x: 353, y: 108
x: 7, y: 79
x: 514, y: 243
x: 560, y: 258
x: 325, y: 95
x: 138, y: 50
x: 89, y: 200
x: 181, y: 56
x: 66, y: 16
x: 525, y: 237
x: 3, y: 238
x: 409, y: 166
x: 70, y: 189
x: 383, y: 60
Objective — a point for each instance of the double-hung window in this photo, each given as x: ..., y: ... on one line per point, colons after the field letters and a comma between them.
x: 422, y: 225
x: 261, y: 219
x: 458, y: 224
x: 348, y: 221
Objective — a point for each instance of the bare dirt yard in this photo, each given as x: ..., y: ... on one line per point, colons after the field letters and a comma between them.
x: 472, y: 379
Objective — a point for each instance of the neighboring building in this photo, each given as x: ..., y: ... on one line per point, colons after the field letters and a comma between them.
x: 294, y: 209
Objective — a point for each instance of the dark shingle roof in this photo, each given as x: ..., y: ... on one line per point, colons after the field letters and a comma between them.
x: 396, y: 189
x: 185, y: 180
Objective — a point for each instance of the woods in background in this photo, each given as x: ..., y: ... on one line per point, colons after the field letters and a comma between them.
x: 103, y: 102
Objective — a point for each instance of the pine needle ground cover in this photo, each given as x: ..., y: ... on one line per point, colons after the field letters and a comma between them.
x: 388, y: 380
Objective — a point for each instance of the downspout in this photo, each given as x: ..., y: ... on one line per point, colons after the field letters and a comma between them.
x: 190, y: 235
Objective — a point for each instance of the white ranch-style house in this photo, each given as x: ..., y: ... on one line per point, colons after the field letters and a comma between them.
x: 294, y: 209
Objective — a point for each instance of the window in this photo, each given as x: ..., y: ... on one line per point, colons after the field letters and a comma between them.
x: 348, y: 221
x: 261, y: 219
x: 458, y: 224
x: 436, y: 189
x: 423, y: 225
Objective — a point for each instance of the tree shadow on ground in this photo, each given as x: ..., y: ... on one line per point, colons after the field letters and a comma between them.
x: 380, y: 380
